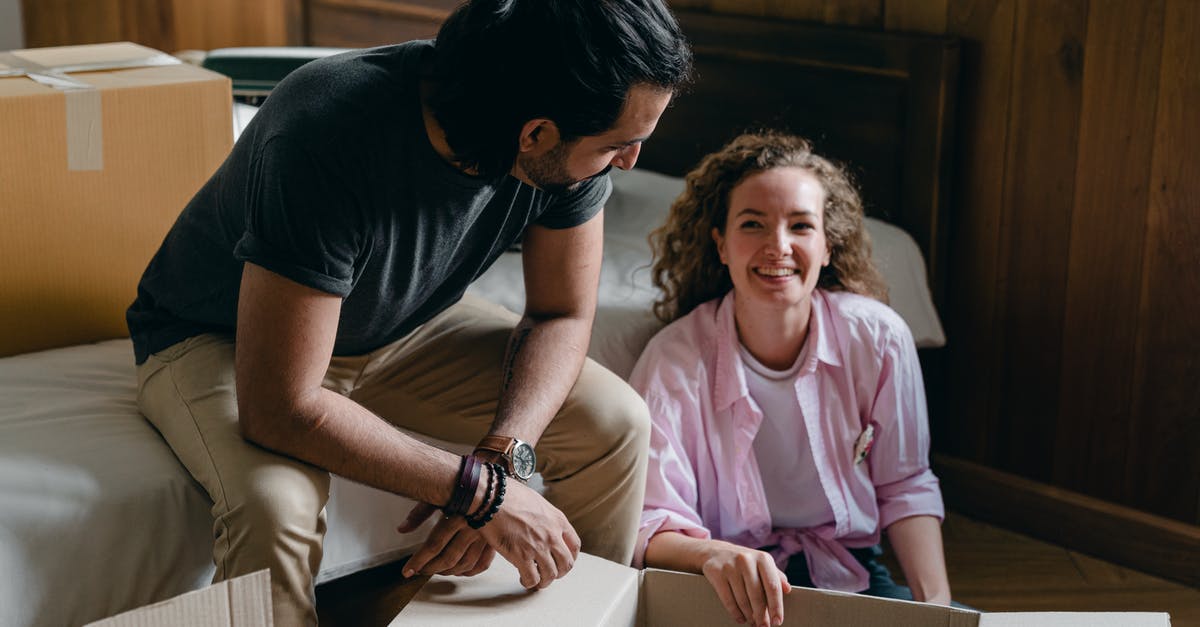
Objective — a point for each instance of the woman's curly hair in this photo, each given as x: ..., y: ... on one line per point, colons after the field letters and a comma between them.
x: 687, y: 267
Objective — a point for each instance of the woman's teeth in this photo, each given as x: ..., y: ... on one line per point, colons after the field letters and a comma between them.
x: 776, y: 271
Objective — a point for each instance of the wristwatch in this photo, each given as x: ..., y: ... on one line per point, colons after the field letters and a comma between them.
x: 518, y: 454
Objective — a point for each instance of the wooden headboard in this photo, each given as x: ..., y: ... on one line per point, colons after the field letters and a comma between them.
x: 881, y: 103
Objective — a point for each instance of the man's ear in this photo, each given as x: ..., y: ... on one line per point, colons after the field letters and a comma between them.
x: 538, y: 136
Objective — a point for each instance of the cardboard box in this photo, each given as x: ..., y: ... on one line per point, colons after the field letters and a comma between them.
x: 600, y: 593
x: 240, y: 602
x: 103, y: 145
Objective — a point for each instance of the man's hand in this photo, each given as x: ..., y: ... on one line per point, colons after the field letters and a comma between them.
x: 452, y: 548
x: 528, y: 531
x: 750, y: 585
x: 532, y: 535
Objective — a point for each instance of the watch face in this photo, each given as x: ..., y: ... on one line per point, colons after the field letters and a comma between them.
x: 523, y: 461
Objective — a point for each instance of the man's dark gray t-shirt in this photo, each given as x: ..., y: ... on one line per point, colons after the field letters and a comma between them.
x: 335, y: 185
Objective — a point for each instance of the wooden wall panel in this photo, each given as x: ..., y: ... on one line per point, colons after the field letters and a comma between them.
x: 861, y: 13
x: 808, y: 10
x: 1116, y: 141
x: 58, y: 22
x: 226, y: 23
x: 1163, y: 468
x: 923, y: 16
x: 168, y: 25
x: 972, y: 297
x: 350, y: 23
x: 1038, y: 191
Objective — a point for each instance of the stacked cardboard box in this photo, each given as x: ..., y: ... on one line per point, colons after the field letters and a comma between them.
x: 111, y: 140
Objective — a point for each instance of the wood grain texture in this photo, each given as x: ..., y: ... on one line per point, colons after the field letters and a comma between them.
x: 756, y: 8
x: 227, y: 23
x: 1035, y: 224
x: 65, y: 22
x: 1163, y: 469
x: 338, y: 26
x: 973, y: 303
x: 807, y: 10
x: 922, y: 16
x: 1103, y: 292
x: 168, y: 25
x: 861, y: 13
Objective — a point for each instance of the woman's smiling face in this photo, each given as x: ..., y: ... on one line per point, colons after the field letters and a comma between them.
x: 774, y: 241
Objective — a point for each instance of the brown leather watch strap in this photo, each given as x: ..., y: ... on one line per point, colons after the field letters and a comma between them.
x: 502, y: 444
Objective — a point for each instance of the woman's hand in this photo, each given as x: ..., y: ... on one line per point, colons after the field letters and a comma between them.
x: 750, y: 585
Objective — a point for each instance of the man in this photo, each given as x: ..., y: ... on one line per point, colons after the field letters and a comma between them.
x: 335, y: 244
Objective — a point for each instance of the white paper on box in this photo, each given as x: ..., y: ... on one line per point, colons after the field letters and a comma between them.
x: 1074, y: 619
x: 240, y: 602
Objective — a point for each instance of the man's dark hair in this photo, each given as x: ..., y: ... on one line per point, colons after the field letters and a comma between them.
x: 500, y: 63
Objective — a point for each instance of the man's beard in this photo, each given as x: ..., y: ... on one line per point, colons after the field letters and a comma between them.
x: 549, y: 172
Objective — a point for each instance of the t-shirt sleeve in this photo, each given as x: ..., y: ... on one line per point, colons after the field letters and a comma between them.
x: 302, y: 221
x: 576, y: 207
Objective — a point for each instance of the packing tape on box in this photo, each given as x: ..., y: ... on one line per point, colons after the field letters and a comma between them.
x: 85, y: 115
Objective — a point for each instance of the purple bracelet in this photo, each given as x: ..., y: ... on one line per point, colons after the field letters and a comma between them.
x: 465, y: 487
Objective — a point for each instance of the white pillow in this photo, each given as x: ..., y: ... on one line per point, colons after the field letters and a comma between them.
x: 640, y: 200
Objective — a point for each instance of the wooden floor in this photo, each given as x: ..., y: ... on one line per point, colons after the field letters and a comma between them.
x: 990, y: 569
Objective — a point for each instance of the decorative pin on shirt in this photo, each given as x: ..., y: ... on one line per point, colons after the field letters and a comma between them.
x: 863, y: 446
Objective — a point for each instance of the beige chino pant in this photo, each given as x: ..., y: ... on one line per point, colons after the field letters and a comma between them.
x: 442, y: 380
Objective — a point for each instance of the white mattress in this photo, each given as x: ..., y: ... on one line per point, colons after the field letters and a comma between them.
x: 96, y: 514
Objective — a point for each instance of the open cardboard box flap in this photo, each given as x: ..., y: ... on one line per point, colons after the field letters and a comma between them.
x: 241, y: 602
x: 599, y: 593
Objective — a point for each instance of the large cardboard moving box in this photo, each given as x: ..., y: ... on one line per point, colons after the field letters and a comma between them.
x: 111, y: 140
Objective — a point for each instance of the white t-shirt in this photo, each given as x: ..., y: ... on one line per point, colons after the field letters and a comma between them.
x: 782, y: 448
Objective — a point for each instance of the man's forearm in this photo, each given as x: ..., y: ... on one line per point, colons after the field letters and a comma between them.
x: 337, y: 434
x: 541, y: 366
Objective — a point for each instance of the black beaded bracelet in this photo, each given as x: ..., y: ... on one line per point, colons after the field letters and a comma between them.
x: 477, y: 522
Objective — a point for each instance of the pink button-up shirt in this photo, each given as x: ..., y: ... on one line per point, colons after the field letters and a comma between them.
x: 703, y: 479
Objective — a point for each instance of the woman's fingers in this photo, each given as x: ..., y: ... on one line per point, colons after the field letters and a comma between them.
x: 773, y: 583
x: 756, y: 592
x: 725, y: 593
x: 738, y: 585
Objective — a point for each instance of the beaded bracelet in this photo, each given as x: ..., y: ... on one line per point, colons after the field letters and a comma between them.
x: 479, y: 521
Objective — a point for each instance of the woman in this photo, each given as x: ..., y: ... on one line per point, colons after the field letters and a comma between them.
x: 788, y: 415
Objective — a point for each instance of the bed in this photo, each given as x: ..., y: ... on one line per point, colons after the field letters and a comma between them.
x: 97, y: 516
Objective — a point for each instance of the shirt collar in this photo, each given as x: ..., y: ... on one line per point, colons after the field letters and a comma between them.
x: 730, y: 385
x: 822, y: 327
